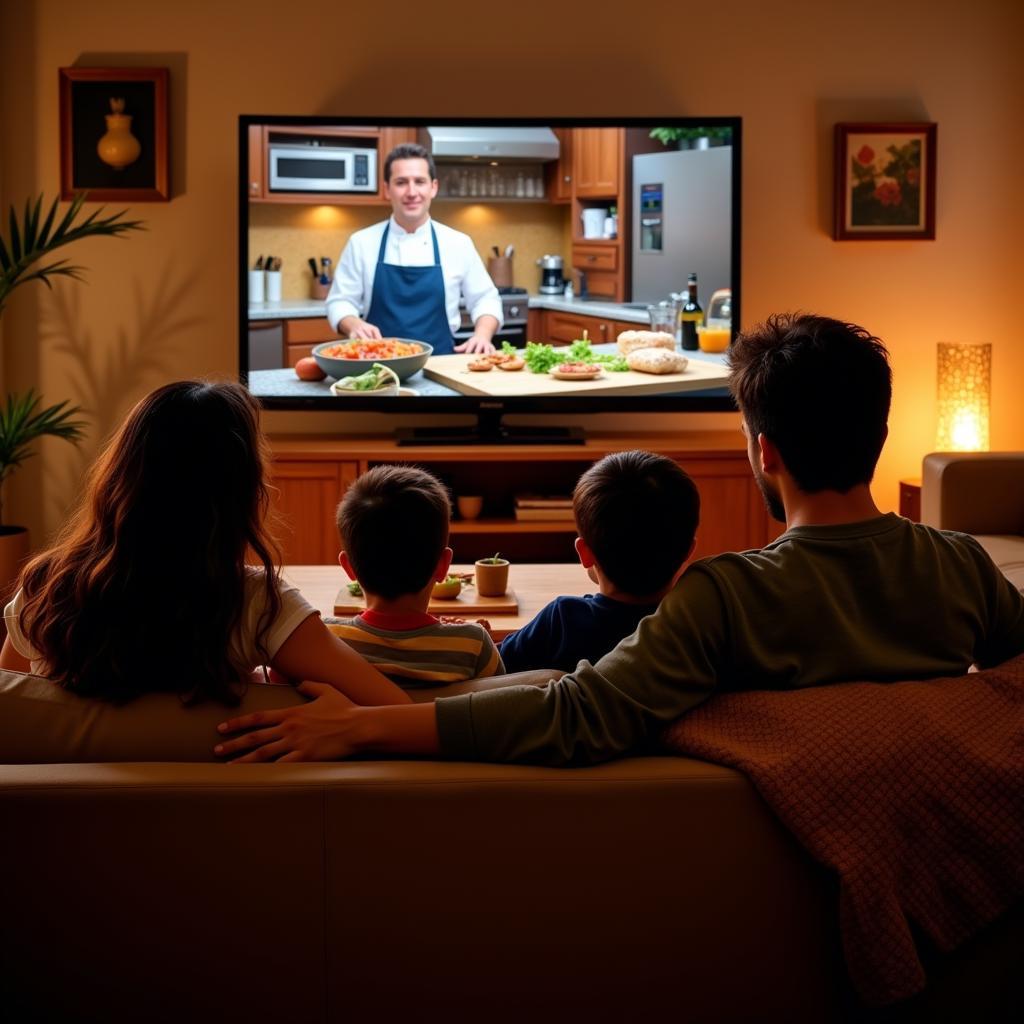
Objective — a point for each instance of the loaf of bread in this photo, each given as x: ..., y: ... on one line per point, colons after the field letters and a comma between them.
x: 629, y: 340
x: 656, y: 360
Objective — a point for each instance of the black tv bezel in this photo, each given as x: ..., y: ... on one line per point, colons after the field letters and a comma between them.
x: 477, y: 404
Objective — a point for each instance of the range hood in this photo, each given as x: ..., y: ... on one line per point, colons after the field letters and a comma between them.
x: 461, y: 143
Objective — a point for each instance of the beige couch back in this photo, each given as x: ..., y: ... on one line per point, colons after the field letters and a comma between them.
x: 646, y: 889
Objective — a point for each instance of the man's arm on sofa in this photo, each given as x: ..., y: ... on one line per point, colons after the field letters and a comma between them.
x: 331, y: 727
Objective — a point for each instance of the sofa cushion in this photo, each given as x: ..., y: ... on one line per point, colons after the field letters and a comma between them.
x: 42, y: 724
x: 1007, y: 551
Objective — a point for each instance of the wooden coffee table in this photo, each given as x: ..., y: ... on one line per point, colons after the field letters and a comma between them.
x: 534, y: 585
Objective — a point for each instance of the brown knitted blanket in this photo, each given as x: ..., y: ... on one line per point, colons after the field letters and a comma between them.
x: 912, y: 792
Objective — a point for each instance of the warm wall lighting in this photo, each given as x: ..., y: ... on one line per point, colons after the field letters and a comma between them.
x: 965, y: 383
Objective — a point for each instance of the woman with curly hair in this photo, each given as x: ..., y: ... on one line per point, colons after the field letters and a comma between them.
x: 149, y: 587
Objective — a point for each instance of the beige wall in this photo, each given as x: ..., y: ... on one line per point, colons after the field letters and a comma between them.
x: 163, y: 305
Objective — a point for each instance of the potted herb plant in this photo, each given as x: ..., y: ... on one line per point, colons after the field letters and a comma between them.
x: 24, y: 419
x: 685, y: 138
x: 491, y: 575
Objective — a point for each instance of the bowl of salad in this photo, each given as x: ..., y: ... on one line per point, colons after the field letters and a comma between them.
x: 342, y: 359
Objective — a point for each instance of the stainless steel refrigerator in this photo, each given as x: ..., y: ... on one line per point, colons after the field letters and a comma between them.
x: 681, y: 222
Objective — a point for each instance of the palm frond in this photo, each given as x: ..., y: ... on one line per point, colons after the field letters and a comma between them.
x: 31, y: 223
x: 60, y: 268
x: 69, y: 216
x: 44, y: 231
x: 22, y: 423
x: 15, y: 242
x: 31, y: 241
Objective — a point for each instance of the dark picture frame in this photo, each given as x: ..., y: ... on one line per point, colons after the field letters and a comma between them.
x: 885, y: 181
x: 85, y: 102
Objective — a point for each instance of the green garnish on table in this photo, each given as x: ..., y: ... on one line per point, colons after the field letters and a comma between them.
x: 542, y: 358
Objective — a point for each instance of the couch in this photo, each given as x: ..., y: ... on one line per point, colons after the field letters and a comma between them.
x: 142, y: 884
x: 981, y: 493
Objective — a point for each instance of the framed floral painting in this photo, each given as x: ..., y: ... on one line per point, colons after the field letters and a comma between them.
x: 885, y: 181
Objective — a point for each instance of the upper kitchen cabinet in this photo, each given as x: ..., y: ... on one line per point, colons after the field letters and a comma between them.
x: 341, y: 165
x: 257, y: 162
x: 597, y: 162
x: 602, y: 184
x: 559, y: 173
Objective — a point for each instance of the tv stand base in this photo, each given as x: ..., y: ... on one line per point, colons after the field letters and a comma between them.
x: 489, y: 429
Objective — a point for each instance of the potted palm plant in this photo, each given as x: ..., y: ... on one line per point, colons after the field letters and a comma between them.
x: 687, y: 138
x: 24, y: 419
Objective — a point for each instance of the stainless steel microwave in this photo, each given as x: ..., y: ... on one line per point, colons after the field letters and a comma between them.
x: 304, y: 168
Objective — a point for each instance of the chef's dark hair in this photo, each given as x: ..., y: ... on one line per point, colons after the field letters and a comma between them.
x: 638, y: 513
x: 819, y: 389
x: 393, y: 523
x: 154, y: 558
x: 409, y: 151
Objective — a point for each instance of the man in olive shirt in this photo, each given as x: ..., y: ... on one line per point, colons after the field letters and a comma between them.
x: 846, y: 593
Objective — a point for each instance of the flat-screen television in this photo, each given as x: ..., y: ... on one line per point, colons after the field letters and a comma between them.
x: 565, y: 234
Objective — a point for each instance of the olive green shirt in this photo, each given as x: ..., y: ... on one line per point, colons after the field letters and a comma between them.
x: 883, y: 599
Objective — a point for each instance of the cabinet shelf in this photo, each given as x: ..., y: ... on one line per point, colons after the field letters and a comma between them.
x: 509, y: 525
x: 311, y: 474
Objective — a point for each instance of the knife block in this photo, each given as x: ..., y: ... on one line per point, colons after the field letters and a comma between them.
x: 500, y: 269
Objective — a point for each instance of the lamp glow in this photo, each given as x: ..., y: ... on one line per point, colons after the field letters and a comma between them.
x: 964, y: 386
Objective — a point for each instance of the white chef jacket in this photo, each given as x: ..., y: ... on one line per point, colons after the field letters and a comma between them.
x: 464, y: 273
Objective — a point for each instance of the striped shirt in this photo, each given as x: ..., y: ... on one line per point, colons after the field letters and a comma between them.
x: 431, y: 653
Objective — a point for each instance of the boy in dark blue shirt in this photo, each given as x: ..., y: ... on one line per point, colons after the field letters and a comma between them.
x: 636, y: 514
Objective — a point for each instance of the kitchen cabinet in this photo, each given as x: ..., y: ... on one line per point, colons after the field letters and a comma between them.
x: 559, y: 181
x: 389, y: 138
x: 600, y: 261
x: 383, y: 139
x: 300, y: 335
x: 597, y: 156
x: 535, y: 330
x: 257, y: 162
x: 312, y: 473
x: 603, y: 178
x: 307, y: 494
x: 564, y: 328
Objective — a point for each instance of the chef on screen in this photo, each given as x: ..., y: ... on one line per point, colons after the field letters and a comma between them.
x: 403, y: 277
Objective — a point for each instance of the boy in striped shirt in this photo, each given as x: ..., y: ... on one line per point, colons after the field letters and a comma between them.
x: 393, y: 523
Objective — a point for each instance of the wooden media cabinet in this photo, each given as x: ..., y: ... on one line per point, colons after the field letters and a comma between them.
x: 311, y: 473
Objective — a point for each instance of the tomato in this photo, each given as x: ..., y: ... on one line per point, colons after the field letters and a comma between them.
x: 308, y: 368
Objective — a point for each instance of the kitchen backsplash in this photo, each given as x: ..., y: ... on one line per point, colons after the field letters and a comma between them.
x: 294, y: 233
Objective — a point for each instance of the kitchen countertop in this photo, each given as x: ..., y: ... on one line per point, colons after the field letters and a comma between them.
x: 284, y: 384
x: 294, y: 309
x: 287, y: 309
x: 593, y: 307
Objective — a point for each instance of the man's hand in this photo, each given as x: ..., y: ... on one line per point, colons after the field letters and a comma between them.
x: 319, y: 731
x: 359, y: 330
x: 476, y: 343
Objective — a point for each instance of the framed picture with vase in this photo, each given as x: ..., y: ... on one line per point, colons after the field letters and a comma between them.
x: 113, y: 134
x: 884, y: 181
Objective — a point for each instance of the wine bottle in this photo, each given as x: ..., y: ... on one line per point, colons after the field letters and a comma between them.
x: 690, y: 315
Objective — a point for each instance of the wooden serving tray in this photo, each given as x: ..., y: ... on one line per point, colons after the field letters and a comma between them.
x: 468, y: 604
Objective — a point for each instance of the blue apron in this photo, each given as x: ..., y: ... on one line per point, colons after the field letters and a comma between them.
x: 409, y: 302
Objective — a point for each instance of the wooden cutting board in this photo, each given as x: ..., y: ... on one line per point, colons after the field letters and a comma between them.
x: 451, y: 371
x: 468, y: 604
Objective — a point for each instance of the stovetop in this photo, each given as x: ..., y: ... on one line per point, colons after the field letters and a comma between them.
x: 514, y: 304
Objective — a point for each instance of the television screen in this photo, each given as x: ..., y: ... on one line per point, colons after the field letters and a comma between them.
x: 527, y: 265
